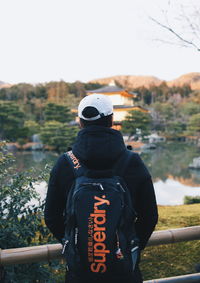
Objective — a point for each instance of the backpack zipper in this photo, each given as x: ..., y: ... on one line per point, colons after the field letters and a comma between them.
x: 86, y: 184
x: 95, y: 184
x: 64, y: 246
x: 121, y: 187
x: 67, y: 241
x: 76, y: 236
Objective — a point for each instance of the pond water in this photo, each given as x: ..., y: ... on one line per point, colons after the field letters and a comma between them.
x: 168, y: 165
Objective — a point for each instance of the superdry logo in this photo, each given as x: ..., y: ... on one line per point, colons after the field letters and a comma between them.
x: 74, y: 160
x: 97, y: 249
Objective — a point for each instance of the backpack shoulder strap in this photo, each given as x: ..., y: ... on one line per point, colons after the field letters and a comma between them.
x: 78, y: 168
x: 122, y: 163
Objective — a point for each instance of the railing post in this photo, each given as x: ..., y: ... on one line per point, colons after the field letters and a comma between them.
x: 2, y: 271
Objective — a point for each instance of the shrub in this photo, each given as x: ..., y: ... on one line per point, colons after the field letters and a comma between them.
x: 191, y: 199
x: 21, y: 221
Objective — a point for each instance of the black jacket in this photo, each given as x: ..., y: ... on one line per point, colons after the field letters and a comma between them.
x: 99, y: 148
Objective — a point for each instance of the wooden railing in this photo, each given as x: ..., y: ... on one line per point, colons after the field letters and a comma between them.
x: 53, y: 251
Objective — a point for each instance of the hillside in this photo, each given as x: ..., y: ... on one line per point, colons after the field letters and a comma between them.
x: 130, y: 82
x: 4, y: 85
x: 193, y: 79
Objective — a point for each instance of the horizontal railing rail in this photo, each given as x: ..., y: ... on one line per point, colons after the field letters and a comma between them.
x: 190, y: 278
x: 171, y: 236
x: 53, y: 251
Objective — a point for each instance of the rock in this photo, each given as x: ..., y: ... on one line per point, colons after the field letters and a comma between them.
x: 195, y: 163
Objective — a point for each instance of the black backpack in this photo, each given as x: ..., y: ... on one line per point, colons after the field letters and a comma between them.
x: 100, y: 240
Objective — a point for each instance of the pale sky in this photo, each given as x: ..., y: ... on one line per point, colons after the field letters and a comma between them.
x: 44, y: 40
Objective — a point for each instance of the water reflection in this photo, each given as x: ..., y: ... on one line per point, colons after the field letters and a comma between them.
x: 38, y: 156
x: 172, y: 178
x: 172, y: 192
x: 168, y: 165
x: 36, y: 159
x: 173, y: 160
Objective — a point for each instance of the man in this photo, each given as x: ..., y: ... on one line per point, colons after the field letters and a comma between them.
x: 98, y: 147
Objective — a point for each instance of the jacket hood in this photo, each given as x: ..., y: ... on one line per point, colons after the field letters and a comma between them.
x: 98, y: 147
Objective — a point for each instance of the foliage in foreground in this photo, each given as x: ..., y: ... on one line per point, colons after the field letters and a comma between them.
x: 22, y: 225
x: 21, y: 219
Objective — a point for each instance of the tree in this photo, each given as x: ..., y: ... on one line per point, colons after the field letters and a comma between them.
x: 11, y: 121
x: 196, y: 96
x: 184, y: 90
x: 183, y: 26
x: 136, y: 120
x: 190, y: 108
x: 3, y: 94
x: 33, y: 127
x: 78, y: 89
x: 144, y: 95
x: 163, y: 112
x: 56, y: 112
x: 159, y: 93
x: 41, y: 92
x: 92, y: 86
x: 19, y: 92
x: 194, y: 125
x: 57, y: 91
x: 58, y: 135
x: 175, y: 129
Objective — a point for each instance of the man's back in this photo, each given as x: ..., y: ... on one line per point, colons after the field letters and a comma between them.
x: 98, y: 148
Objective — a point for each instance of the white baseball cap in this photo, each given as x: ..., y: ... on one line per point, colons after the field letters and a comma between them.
x: 101, y: 102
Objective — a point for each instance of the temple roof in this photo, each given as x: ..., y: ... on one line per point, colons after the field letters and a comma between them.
x: 109, y: 89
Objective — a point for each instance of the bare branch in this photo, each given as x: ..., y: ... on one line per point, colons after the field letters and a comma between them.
x: 171, y: 30
x: 197, y: 17
x: 193, y: 27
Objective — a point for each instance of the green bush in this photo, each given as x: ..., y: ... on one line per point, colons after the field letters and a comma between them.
x: 191, y: 199
x: 21, y: 220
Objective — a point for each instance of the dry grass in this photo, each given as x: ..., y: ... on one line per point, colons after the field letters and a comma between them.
x: 174, y: 259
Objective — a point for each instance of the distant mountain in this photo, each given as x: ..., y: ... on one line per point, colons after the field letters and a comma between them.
x: 4, y: 85
x: 130, y: 82
x: 193, y: 79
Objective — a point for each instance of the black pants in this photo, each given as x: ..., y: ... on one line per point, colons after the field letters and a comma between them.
x: 136, y: 277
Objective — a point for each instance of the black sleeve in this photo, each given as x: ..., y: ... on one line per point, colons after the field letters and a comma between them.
x: 147, y: 212
x: 143, y: 198
x: 60, y: 182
